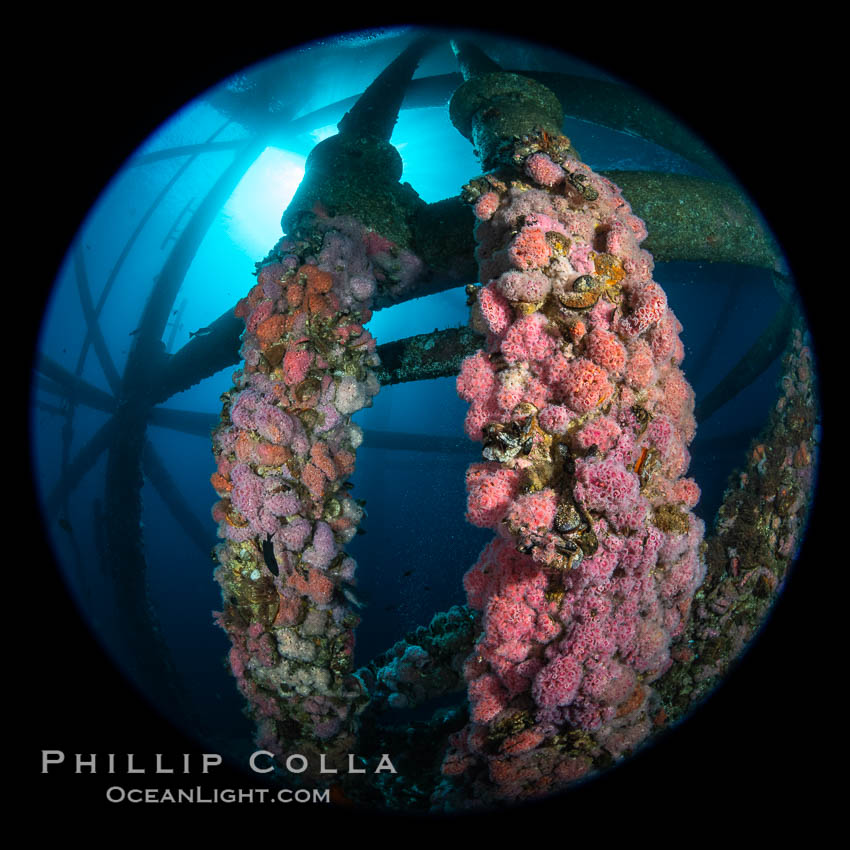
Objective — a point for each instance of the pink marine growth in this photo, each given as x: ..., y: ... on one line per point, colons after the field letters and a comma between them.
x: 284, y: 449
x: 585, y: 417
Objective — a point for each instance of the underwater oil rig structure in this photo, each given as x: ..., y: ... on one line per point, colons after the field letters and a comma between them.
x: 570, y: 364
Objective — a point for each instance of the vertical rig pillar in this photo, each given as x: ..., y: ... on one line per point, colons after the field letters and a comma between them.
x: 285, y: 447
x: 585, y: 418
x: 494, y: 108
x: 356, y: 172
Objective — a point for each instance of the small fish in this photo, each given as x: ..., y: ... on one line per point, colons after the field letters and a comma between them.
x: 348, y: 593
x: 66, y: 526
x: 200, y: 332
x: 361, y: 530
x: 407, y: 574
x: 268, y: 555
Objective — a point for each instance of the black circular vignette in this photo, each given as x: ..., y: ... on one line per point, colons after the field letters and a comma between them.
x: 758, y: 738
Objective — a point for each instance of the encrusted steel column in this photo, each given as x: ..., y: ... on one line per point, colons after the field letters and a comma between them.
x: 494, y: 107
x: 584, y: 416
x: 285, y: 448
x: 356, y: 172
x: 757, y: 535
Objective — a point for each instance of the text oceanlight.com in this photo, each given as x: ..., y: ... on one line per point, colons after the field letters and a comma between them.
x: 117, y: 794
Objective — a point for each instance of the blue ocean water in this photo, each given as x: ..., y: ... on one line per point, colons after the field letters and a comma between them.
x: 417, y: 544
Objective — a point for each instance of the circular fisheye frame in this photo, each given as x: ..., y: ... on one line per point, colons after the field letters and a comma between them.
x: 436, y: 350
